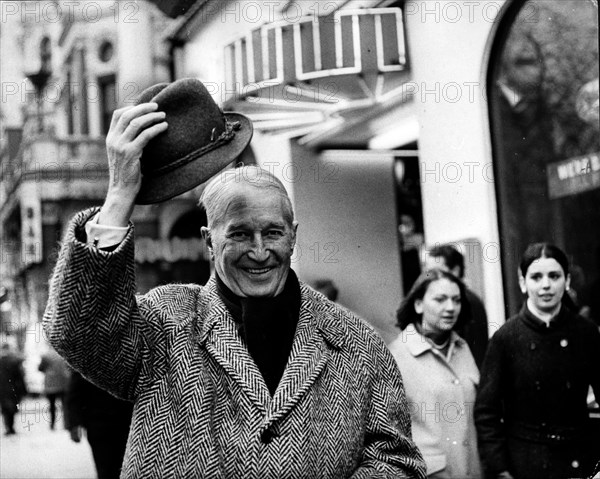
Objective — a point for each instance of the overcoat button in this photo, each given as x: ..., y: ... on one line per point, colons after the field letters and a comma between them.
x: 564, y: 343
x: 575, y: 464
x: 267, y: 436
x: 532, y: 346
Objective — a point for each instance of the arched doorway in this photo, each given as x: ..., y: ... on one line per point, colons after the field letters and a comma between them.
x: 543, y: 97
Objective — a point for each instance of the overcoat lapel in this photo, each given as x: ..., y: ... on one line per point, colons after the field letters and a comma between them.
x: 314, y: 343
x: 307, y: 359
x: 223, y: 343
x: 317, y: 337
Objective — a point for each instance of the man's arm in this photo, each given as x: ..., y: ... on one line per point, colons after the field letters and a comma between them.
x: 389, y: 450
x: 92, y: 317
x: 131, y: 129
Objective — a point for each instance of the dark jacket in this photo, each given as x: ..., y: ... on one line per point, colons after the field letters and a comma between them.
x: 202, y: 408
x: 475, y: 330
x: 531, y: 410
x: 12, y: 381
x: 89, y: 406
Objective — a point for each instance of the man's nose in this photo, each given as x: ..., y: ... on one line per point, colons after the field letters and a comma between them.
x: 258, y: 250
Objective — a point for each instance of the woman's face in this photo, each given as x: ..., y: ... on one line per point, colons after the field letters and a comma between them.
x: 439, y: 307
x: 545, y: 283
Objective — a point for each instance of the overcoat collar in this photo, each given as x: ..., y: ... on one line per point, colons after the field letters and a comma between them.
x: 318, y: 335
x: 558, y: 321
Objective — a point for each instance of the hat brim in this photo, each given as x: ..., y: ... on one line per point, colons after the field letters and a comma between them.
x: 155, y: 189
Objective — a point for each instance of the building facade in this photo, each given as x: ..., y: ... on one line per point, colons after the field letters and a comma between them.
x: 71, y: 65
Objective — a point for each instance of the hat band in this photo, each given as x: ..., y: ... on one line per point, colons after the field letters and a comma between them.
x: 225, y: 137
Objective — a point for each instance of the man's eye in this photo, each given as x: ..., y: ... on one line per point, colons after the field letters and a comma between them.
x: 275, y: 233
x: 239, y: 235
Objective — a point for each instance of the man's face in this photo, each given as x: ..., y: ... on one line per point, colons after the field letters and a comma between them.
x: 434, y: 262
x: 253, y: 242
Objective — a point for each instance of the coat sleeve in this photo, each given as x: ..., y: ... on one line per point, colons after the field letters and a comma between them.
x: 489, y: 410
x: 389, y: 451
x: 93, y: 318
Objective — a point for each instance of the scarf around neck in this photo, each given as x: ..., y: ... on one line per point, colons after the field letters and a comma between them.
x: 266, y: 326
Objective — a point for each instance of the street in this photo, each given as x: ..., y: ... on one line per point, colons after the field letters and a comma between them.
x: 37, y: 452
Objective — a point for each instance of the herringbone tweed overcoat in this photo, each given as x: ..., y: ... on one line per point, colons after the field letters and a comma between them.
x: 202, y: 408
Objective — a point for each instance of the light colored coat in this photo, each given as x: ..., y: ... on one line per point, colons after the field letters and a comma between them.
x: 441, y: 396
x: 202, y: 408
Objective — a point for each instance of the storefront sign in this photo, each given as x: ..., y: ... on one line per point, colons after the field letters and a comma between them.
x: 31, y: 228
x: 573, y: 176
x: 150, y: 250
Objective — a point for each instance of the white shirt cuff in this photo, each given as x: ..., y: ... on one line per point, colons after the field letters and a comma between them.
x: 104, y: 236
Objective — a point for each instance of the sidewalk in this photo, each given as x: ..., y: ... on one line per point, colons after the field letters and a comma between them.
x: 36, y: 452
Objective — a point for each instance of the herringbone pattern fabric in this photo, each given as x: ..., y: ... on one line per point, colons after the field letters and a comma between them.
x: 202, y: 409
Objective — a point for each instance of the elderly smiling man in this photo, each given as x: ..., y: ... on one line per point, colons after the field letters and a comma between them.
x: 253, y: 375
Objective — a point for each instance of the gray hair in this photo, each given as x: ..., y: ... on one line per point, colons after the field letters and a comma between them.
x: 215, y: 196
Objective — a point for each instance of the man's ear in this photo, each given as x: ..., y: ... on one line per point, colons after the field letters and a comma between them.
x: 205, y: 232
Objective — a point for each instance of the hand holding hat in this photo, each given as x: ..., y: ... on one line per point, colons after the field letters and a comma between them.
x: 199, y: 142
x: 130, y: 131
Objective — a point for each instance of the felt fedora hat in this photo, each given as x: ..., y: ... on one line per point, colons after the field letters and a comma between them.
x: 199, y: 142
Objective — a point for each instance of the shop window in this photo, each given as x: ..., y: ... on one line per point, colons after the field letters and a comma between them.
x: 108, y: 100
x: 46, y: 55
x: 70, y: 103
x: 106, y: 51
x: 543, y: 99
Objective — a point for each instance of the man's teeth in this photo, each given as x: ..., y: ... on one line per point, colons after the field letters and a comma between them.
x: 258, y: 270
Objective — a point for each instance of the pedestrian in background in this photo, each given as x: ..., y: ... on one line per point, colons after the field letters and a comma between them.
x: 12, y: 386
x: 440, y: 375
x: 531, y: 411
x: 106, y: 421
x: 475, y: 329
x: 56, y: 373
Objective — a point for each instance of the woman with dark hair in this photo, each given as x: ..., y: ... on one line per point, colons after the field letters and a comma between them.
x: 439, y: 373
x: 531, y: 410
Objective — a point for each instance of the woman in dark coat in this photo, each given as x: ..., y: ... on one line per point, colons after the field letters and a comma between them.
x: 531, y: 409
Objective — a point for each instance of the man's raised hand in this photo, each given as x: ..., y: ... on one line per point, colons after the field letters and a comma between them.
x: 130, y: 131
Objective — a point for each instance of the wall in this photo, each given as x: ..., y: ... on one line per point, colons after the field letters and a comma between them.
x: 448, y: 46
x: 348, y: 229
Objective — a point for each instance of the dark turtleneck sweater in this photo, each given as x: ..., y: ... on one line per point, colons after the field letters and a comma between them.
x: 266, y: 326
